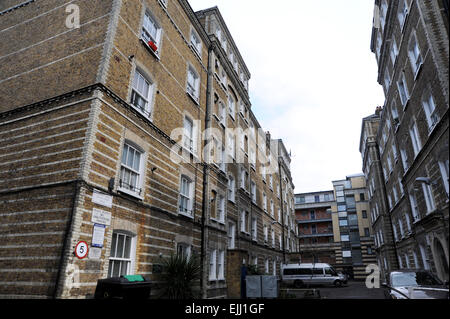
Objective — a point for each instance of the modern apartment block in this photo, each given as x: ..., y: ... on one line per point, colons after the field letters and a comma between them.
x: 409, y: 142
x: 315, y: 224
x: 127, y: 135
x: 334, y: 227
x: 351, y: 227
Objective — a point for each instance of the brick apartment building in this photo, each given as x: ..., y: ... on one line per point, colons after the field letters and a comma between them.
x: 315, y: 224
x: 381, y: 222
x: 334, y: 227
x: 101, y: 137
x: 405, y: 154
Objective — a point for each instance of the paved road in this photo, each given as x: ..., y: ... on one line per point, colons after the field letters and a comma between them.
x: 353, y: 290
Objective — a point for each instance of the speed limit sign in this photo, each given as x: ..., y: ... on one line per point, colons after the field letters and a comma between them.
x: 81, y: 249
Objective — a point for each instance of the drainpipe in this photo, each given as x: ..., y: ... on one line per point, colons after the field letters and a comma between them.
x: 385, y: 201
x: 282, y: 213
x: 204, y: 235
x: 59, y: 287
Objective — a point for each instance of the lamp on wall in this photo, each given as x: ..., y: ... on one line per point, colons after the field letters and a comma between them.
x: 111, y: 184
x: 425, y: 180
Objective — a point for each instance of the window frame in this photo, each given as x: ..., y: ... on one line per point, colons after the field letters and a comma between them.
x: 231, y: 234
x: 156, y: 39
x: 148, y: 107
x: 213, y: 265
x: 414, y: 54
x: 231, y: 145
x: 244, y: 221
x: 193, y: 89
x: 184, y: 249
x: 429, y: 107
x: 191, y: 139
x: 221, y: 208
x: 231, y: 188
x: 220, y: 265
x: 198, y: 45
x: 140, y: 172
x: 264, y: 202
x: 394, y: 51
x: 415, y: 138
x: 231, y: 106
x: 222, y: 113
x: 254, y: 229
x: 429, y: 198
x: 403, y: 91
x: 189, y: 197
x: 253, y: 191
x: 414, y: 206
x: 444, y: 170
x: 402, y: 15
x: 132, y: 251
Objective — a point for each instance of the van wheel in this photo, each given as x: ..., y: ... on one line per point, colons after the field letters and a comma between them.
x: 298, y: 284
x: 338, y: 283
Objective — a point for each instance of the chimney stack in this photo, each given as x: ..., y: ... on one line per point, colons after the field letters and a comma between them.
x: 378, y: 110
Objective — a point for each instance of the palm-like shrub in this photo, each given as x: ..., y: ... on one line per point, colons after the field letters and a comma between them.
x: 180, y: 275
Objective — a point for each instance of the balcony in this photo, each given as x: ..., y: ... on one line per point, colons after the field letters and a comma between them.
x: 318, y: 220
x: 319, y: 234
x: 307, y: 205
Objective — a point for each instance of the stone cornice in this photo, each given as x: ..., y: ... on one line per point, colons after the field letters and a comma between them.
x: 215, y: 10
x: 195, y: 21
x: 16, y: 7
x: 232, y: 75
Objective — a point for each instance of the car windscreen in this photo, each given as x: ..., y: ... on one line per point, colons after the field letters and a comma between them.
x: 413, y: 279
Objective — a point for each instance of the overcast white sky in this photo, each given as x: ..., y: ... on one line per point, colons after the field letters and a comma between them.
x: 313, y: 78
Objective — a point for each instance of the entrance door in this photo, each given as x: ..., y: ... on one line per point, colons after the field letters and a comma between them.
x: 441, y: 260
x: 349, y: 272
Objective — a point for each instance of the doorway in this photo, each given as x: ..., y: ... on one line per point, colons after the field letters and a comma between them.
x: 442, y: 261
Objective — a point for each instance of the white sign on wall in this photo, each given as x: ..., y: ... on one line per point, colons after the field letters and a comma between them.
x: 95, y: 253
x: 98, y: 235
x: 101, y: 217
x: 346, y: 253
x: 102, y: 198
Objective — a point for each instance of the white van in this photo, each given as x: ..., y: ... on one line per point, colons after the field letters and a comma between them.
x: 300, y: 275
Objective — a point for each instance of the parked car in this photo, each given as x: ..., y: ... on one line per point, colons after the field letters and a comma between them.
x: 300, y: 275
x: 415, y: 284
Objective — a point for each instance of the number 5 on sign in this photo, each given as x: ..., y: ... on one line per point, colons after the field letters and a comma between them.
x: 81, y: 249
